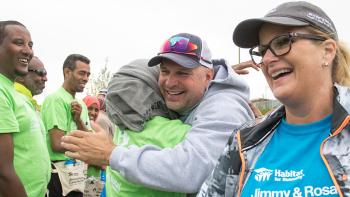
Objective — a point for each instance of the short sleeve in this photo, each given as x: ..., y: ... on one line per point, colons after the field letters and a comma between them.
x: 54, y: 113
x: 8, y: 121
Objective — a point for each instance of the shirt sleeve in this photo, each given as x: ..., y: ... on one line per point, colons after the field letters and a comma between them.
x: 54, y: 114
x: 8, y: 120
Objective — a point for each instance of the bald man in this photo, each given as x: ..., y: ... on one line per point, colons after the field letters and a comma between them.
x: 34, y: 82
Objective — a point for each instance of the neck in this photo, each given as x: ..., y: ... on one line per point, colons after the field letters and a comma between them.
x: 311, y: 110
x: 10, y: 77
x: 68, y: 89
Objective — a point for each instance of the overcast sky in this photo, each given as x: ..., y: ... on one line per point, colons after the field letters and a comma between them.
x: 122, y: 31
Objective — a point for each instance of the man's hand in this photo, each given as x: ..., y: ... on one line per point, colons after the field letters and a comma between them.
x: 92, y: 148
x: 76, y: 111
x: 241, y: 68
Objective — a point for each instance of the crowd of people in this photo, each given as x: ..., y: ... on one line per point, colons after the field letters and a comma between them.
x: 180, y: 123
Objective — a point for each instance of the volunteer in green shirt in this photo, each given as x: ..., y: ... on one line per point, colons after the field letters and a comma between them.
x: 24, y: 163
x: 61, y: 113
x: 159, y: 131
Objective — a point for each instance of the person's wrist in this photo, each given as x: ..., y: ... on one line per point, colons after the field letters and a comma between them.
x: 79, y: 121
x: 109, y: 153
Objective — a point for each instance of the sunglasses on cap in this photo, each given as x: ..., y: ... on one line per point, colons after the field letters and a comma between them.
x: 181, y: 45
x: 40, y: 72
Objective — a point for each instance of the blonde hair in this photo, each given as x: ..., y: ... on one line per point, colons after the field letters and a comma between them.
x: 341, y: 61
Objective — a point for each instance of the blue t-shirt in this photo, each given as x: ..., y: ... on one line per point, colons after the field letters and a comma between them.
x: 291, y: 164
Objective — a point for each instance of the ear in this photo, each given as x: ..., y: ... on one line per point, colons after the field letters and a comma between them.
x: 66, y: 71
x: 210, y: 74
x: 19, y: 80
x: 330, y: 50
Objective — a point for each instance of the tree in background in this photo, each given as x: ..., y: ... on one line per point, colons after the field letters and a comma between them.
x: 265, y: 105
x: 99, y: 81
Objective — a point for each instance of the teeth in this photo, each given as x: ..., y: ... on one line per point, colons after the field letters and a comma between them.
x: 23, y: 60
x: 174, y: 93
x: 285, y: 70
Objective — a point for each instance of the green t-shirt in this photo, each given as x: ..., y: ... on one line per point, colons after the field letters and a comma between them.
x: 56, y: 112
x: 158, y: 131
x: 31, y: 158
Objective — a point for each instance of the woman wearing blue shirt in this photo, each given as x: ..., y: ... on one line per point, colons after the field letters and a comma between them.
x: 303, y: 148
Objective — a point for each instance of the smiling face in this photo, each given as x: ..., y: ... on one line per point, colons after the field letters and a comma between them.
x: 36, y: 78
x: 93, y: 111
x: 182, y: 88
x: 297, y: 77
x: 15, y: 51
x: 78, y: 77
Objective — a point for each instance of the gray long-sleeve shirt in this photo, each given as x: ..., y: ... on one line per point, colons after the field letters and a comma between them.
x: 184, y: 168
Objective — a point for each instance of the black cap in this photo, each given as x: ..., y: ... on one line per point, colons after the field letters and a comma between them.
x: 297, y: 13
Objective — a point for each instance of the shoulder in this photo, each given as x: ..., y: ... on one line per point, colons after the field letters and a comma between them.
x: 6, y: 97
x: 53, y: 102
x: 225, y: 102
x: 4, y: 93
x: 343, y: 96
x: 226, y: 80
x: 56, y: 96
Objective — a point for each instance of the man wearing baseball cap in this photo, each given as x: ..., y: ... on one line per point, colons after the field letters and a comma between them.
x: 213, y: 106
x: 211, y: 98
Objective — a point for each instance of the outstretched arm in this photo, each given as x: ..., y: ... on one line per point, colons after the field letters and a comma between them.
x: 241, y: 68
x: 92, y: 148
x: 182, y: 168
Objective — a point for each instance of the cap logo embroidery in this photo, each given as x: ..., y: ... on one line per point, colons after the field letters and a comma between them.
x: 319, y: 19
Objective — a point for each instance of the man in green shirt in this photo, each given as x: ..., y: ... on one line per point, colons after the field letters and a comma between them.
x: 34, y: 82
x: 24, y: 160
x: 62, y: 113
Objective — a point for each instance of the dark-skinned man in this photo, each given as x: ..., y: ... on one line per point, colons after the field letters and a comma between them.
x: 61, y: 113
x: 33, y: 83
x: 24, y: 159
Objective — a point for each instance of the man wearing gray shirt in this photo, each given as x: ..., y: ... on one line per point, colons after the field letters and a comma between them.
x: 211, y: 98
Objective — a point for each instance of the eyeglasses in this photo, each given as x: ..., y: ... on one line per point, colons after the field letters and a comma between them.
x: 40, y: 72
x: 280, y: 45
x: 181, y: 45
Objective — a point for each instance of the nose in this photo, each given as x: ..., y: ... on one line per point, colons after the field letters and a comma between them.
x: 86, y: 78
x: 171, y: 80
x: 44, y: 78
x: 268, y: 57
x: 28, y: 51
x: 94, y: 114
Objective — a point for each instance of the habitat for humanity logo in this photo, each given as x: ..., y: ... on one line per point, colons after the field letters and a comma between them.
x: 264, y: 174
